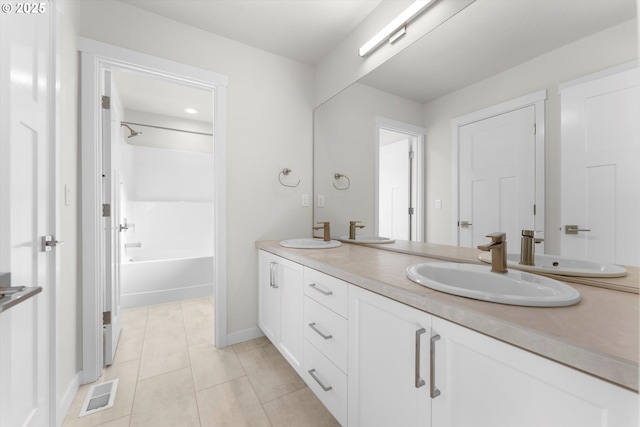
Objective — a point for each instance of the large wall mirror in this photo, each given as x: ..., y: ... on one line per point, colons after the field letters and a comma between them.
x: 489, y: 54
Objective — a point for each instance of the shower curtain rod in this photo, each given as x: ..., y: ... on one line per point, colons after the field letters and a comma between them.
x: 165, y: 128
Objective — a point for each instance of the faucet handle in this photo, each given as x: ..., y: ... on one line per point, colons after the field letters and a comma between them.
x: 497, y: 237
x: 528, y: 233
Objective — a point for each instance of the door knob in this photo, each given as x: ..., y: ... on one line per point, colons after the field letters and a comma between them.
x: 48, y: 242
x: 573, y: 229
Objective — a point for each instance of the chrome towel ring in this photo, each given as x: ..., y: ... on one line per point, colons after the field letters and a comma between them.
x: 285, y: 172
x: 339, y: 176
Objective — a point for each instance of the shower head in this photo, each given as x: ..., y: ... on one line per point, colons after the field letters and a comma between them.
x: 133, y: 132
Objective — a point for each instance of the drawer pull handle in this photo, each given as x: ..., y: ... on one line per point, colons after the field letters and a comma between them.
x: 419, y: 382
x: 313, y: 375
x: 432, y: 368
x: 319, y: 332
x: 272, y: 274
x: 322, y: 291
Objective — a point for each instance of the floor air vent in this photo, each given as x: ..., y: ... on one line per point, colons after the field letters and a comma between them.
x: 100, y: 396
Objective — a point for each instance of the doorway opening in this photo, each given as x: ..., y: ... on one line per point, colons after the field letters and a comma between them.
x: 399, y: 206
x: 153, y: 189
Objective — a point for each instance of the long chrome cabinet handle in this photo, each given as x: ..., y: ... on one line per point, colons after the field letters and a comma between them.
x: 319, y: 332
x: 272, y: 274
x: 313, y: 375
x: 322, y: 291
x: 432, y: 367
x: 419, y: 381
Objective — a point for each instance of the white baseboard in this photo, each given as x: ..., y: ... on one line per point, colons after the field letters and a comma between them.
x: 67, y: 398
x: 244, y: 335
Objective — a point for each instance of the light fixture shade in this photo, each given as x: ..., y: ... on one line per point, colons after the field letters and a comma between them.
x: 391, y: 28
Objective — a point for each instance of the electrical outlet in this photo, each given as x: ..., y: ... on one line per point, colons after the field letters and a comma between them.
x: 438, y: 204
x: 305, y: 200
x: 320, y: 200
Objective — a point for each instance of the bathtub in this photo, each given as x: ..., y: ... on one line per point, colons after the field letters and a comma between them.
x: 160, y: 278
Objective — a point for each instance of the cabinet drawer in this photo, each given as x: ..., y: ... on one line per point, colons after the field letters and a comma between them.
x: 327, y: 331
x: 327, y: 382
x: 327, y: 290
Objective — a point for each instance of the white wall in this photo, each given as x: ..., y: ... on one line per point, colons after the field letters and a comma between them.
x: 345, y: 143
x: 269, y: 127
x: 68, y: 310
x: 609, y: 48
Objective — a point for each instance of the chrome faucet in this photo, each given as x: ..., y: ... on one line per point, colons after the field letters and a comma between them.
x: 528, y: 247
x: 352, y: 229
x: 327, y: 231
x: 498, y: 249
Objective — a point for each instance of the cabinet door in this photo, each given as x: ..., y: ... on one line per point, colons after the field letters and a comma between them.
x: 388, y: 362
x: 288, y: 282
x: 485, y: 382
x: 267, y: 295
x: 280, y: 305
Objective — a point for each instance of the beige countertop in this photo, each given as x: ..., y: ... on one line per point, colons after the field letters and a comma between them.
x: 599, y: 335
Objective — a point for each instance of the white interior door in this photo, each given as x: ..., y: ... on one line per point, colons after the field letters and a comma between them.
x: 111, y: 218
x: 600, y: 169
x: 27, y: 212
x: 394, y: 198
x: 497, y: 177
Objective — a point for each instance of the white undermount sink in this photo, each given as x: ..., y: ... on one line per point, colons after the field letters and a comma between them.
x: 478, y: 282
x: 309, y: 243
x: 553, y: 264
x: 366, y: 239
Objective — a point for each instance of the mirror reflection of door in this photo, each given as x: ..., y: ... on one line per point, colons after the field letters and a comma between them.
x: 399, y: 181
x: 600, y: 175
x: 497, y: 177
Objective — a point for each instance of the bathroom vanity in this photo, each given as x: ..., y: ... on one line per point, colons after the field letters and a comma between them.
x: 378, y: 349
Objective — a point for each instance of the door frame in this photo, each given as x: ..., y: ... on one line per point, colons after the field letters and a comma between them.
x: 96, y: 56
x: 536, y: 99
x: 420, y: 134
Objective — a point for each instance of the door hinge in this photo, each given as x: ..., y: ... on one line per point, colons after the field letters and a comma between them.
x: 106, y: 102
x: 106, y: 318
x: 534, y: 209
x: 411, y: 210
x: 411, y: 154
x: 106, y: 210
x: 535, y: 129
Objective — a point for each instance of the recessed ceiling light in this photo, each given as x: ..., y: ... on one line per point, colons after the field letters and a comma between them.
x: 191, y: 110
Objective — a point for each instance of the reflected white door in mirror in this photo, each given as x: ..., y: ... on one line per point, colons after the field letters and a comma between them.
x: 500, y: 171
x: 399, y: 180
x: 600, y: 175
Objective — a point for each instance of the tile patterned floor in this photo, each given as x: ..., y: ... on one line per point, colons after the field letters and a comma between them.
x: 170, y: 374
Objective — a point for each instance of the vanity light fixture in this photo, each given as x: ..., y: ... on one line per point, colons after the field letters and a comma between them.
x: 396, y: 28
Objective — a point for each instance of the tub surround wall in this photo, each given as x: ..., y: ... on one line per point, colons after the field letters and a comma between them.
x: 598, y: 336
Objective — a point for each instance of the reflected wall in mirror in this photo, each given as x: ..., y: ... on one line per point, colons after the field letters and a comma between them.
x: 345, y: 142
x: 490, y: 53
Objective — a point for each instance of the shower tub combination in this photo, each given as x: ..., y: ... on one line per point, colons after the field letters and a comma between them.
x: 161, y: 278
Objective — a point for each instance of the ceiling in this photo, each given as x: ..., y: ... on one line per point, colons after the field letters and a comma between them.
x: 487, y: 37
x: 303, y: 30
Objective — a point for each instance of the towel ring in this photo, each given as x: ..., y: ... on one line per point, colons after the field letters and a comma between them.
x: 285, y: 172
x: 337, y: 177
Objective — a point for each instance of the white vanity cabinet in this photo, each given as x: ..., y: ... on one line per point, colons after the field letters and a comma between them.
x: 373, y: 361
x: 388, y: 362
x: 326, y: 334
x: 280, y: 305
x: 486, y: 382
